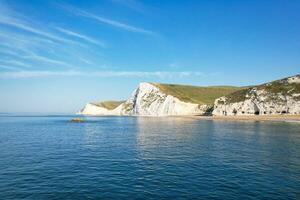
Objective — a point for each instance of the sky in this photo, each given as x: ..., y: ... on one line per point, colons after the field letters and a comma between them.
x: 55, y: 56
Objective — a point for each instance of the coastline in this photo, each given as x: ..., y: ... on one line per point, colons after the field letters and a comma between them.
x: 283, y: 118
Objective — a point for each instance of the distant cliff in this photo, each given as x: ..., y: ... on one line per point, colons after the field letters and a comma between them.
x: 101, y: 108
x: 277, y: 97
x: 148, y: 99
x: 154, y: 99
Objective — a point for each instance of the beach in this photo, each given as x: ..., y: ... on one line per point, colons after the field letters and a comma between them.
x: 286, y: 118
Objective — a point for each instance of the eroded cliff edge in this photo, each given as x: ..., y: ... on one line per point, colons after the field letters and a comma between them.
x: 155, y: 99
x: 277, y: 97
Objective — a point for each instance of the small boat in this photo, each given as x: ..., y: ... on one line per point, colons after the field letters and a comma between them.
x: 77, y: 120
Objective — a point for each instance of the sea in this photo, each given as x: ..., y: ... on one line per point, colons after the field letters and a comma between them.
x: 50, y: 157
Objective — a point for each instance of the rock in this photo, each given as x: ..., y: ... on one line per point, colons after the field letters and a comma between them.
x: 149, y: 100
x: 77, y: 120
x: 277, y: 97
x: 92, y: 109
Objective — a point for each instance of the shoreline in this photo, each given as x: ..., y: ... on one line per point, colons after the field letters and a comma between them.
x: 278, y: 118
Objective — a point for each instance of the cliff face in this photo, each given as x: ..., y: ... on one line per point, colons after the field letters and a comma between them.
x: 153, y: 99
x: 92, y: 109
x: 149, y: 100
x: 277, y: 97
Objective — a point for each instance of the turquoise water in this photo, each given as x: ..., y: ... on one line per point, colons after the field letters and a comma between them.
x: 48, y: 157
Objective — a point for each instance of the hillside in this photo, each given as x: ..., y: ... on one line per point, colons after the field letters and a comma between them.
x: 286, y: 87
x: 196, y: 94
x: 153, y: 99
x: 158, y: 99
x: 110, y: 105
x: 276, y: 97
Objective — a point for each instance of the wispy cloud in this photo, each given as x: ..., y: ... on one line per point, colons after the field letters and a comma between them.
x: 86, y: 61
x: 15, y: 62
x: 16, y: 47
x: 8, y: 68
x: 25, y: 43
x: 25, y: 39
x: 105, y: 20
x: 71, y: 73
x: 46, y: 60
x: 12, y: 18
x: 81, y: 36
x: 8, y: 52
x: 20, y: 24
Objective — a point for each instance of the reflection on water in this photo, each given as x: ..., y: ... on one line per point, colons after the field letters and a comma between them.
x: 165, y: 138
x: 148, y: 158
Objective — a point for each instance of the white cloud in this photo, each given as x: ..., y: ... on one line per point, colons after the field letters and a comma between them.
x: 107, y: 21
x: 17, y: 23
x: 12, y: 18
x: 23, y: 42
x: 15, y: 62
x: 46, y: 60
x: 71, y: 73
x: 86, y: 61
x: 81, y: 36
x: 8, y: 52
x: 8, y: 68
x: 24, y: 45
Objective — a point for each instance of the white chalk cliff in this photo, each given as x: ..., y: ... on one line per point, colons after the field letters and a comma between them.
x: 148, y: 100
x: 277, y: 97
x: 93, y: 109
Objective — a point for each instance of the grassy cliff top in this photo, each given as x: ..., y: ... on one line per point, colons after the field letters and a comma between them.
x: 290, y: 85
x: 287, y: 86
x: 196, y: 94
x: 110, y: 105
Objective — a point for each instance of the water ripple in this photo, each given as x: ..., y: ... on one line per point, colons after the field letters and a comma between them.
x: 147, y: 158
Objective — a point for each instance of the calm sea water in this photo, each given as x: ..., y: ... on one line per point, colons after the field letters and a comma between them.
x: 48, y: 157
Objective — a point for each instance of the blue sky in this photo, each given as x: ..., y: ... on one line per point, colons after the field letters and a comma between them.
x: 57, y: 55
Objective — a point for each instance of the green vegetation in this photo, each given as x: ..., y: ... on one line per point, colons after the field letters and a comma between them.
x: 128, y: 106
x: 281, y: 86
x: 110, y: 105
x: 207, y: 95
x: 273, y: 88
x: 196, y: 94
x: 238, y: 96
